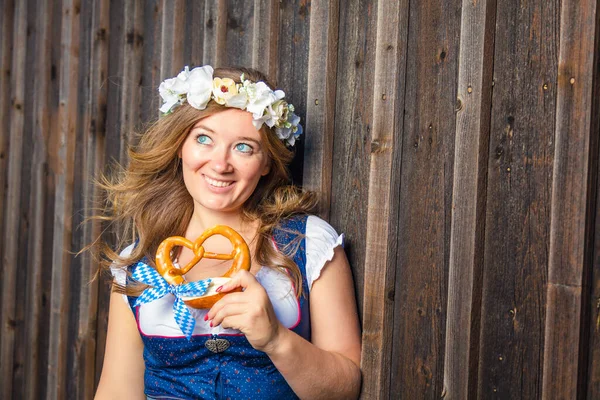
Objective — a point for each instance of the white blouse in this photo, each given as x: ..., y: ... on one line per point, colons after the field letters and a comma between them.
x: 156, y: 317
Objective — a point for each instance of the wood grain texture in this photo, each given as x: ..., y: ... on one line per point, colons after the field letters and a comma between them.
x: 12, y: 203
x: 265, y: 36
x: 353, y: 116
x: 171, y: 50
x: 63, y: 165
x: 589, y: 378
x: 569, y: 200
x: 89, y: 154
x: 131, y: 68
x: 193, y: 38
x: 239, y: 33
x: 292, y: 65
x: 151, y: 49
x: 211, y: 31
x: 380, y: 264
x: 475, y: 64
x: 38, y: 234
x: 592, y: 380
x: 518, y: 200
x: 6, y: 61
x: 425, y: 200
x: 114, y: 103
x: 320, y: 106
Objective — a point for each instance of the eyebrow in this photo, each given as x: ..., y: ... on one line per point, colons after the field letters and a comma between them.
x: 206, y: 128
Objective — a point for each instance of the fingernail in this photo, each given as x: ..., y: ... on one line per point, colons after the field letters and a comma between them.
x: 206, y: 317
x: 219, y: 288
x: 211, y: 324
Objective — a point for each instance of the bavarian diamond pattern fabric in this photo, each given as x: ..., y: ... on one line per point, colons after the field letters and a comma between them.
x: 159, y: 287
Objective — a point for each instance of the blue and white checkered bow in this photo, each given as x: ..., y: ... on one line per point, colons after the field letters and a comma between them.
x: 148, y: 275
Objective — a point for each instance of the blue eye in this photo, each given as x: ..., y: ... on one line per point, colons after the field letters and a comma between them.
x: 244, y: 148
x: 203, y: 139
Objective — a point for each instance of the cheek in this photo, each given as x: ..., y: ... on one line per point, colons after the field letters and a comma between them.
x: 190, y: 158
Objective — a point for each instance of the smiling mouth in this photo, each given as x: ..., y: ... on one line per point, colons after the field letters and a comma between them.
x: 216, y: 183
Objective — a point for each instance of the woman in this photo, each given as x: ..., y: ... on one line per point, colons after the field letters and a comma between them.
x: 219, y: 157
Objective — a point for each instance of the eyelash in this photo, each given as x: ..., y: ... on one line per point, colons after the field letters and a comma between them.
x: 245, y: 144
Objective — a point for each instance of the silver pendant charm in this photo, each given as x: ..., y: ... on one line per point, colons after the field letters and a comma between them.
x: 217, y: 345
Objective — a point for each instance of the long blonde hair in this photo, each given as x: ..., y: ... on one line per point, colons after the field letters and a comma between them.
x: 148, y: 201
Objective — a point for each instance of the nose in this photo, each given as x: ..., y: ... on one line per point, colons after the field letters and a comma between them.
x: 220, y: 162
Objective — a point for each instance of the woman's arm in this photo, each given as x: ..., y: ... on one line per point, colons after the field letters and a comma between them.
x: 327, y: 367
x: 123, y: 369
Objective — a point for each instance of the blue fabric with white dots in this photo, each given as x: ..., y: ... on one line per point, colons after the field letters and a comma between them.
x: 178, y: 368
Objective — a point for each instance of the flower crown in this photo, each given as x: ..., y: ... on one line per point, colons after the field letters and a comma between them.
x: 267, y: 106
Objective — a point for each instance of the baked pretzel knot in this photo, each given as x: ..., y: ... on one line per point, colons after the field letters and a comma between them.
x: 174, y: 276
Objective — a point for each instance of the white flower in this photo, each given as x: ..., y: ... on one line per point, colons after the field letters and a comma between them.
x: 240, y: 101
x: 200, y: 86
x: 223, y: 90
x: 172, y: 92
x: 260, y: 96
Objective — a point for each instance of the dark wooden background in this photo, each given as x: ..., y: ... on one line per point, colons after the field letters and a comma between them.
x: 455, y: 143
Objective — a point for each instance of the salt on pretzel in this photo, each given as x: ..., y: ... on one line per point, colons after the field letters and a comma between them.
x: 174, y: 276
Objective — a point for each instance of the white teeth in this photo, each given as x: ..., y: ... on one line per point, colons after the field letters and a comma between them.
x: 216, y: 183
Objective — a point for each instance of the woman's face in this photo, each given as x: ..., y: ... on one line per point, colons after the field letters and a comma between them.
x: 222, y: 160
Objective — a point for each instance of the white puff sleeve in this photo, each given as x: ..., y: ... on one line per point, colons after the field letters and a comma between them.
x: 321, y: 241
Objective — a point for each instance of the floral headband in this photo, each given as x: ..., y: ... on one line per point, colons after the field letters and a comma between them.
x: 267, y: 106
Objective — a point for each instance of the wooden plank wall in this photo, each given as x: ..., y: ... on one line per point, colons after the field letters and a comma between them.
x: 454, y: 142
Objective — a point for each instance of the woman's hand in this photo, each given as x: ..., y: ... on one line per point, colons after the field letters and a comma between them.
x: 250, y: 312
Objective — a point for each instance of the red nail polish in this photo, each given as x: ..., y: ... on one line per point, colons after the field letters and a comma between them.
x: 206, y: 317
x: 219, y: 288
x: 211, y: 324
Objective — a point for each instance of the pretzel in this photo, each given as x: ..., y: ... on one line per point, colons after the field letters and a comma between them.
x: 174, y: 276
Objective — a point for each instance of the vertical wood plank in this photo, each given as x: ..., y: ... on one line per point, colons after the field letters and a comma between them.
x: 237, y: 49
x: 151, y: 48
x: 94, y: 121
x: 592, y: 380
x: 386, y: 147
x: 292, y: 65
x: 6, y: 60
x: 353, y: 115
x: 518, y: 200
x: 131, y: 73
x: 320, y: 105
x: 94, y: 59
x: 590, y: 383
x: 37, y: 243
x: 12, y: 209
x: 114, y: 140
x: 475, y: 64
x: 171, y: 52
x: 193, y: 37
x: 63, y: 165
x: 214, y: 14
x: 265, y: 36
x: 569, y: 199
x: 425, y: 199
x: 24, y: 210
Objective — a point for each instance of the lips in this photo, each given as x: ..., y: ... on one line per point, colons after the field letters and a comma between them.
x: 217, y: 183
